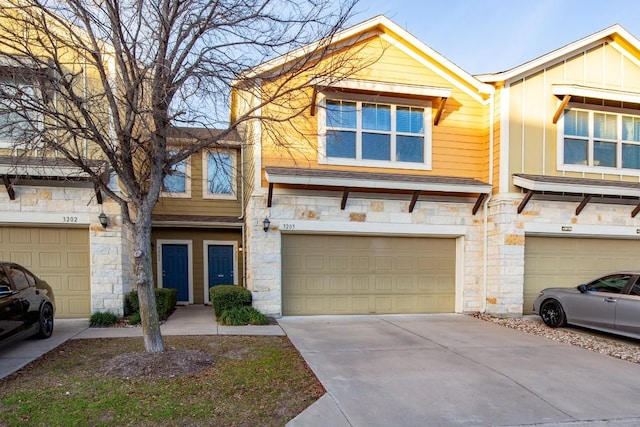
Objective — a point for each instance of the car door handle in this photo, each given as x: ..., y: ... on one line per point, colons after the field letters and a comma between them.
x: 610, y: 299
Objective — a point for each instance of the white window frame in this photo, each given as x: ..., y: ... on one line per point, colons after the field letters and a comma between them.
x: 186, y: 194
x: 590, y: 167
x: 392, y: 101
x: 14, y: 144
x: 205, y: 175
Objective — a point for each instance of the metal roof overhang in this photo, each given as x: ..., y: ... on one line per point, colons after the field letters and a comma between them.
x: 385, y: 88
x: 576, y: 186
x: 362, y: 181
x: 569, y: 91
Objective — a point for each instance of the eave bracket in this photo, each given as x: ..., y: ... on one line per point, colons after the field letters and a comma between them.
x: 478, y: 203
x: 561, y: 108
x: 270, y: 196
x: 345, y: 196
x: 438, y: 115
x: 7, y: 184
x: 414, y: 200
x: 636, y: 211
x: 583, y: 203
x: 524, y: 201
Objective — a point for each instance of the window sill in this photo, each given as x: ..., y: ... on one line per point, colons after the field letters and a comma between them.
x: 601, y: 170
x: 380, y: 164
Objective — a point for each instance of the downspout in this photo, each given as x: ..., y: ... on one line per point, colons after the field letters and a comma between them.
x: 483, y: 307
x: 241, y: 217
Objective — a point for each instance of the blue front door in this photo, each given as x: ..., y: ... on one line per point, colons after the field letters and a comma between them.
x: 220, y: 265
x: 175, y: 269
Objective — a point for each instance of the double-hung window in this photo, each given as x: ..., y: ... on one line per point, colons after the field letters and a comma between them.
x: 220, y: 176
x: 177, y: 183
x: 598, y: 139
x: 382, y: 134
x: 17, y: 119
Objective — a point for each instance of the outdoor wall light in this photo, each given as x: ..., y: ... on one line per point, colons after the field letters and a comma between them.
x: 103, y: 220
x: 265, y: 224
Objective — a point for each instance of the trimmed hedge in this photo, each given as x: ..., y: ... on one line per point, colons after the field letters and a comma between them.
x: 166, y: 299
x: 225, y: 297
x: 245, y: 315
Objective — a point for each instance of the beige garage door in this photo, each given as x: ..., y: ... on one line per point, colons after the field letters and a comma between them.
x: 564, y: 261
x: 58, y: 255
x: 366, y: 275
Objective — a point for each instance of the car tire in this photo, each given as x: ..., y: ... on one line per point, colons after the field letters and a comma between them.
x: 552, y: 313
x: 45, y: 321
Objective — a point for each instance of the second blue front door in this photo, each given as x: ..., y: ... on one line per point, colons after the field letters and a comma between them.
x: 220, y: 265
x: 175, y: 269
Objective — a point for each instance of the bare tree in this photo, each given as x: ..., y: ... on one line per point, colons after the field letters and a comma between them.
x: 100, y: 83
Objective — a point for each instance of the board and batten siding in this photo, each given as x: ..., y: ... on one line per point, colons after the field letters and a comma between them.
x: 459, y: 143
x: 198, y: 205
x: 197, y: 236
x: 533, y: 147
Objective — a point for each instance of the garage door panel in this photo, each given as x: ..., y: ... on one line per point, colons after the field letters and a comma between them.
x: 59, y: 256
x: 564, y: 261
x: 380, y: 275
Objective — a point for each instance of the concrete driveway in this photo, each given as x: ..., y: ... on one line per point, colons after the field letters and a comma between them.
x: 454, y: 370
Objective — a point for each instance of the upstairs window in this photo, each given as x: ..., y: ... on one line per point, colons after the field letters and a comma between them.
x: 176, y: 183
x: 220, y: 177
x: 17, y: 120
x: 376, y: 134
x: 601, y: 139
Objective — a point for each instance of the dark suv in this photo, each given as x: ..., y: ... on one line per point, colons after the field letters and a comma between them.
x: 27, y: 304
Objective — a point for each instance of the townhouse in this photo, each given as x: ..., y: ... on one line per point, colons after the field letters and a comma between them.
x: 417, y: 188
x: 402, y: 185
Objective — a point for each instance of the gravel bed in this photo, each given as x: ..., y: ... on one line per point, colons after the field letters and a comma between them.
x: 622, y: 348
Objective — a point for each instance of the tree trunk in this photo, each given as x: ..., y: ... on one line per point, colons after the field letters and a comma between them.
x: 149, y: 320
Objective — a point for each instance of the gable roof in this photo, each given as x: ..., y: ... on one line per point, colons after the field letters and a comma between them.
x: 615, y: 33
x: 377, y: 25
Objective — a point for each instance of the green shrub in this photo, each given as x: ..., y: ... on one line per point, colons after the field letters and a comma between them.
x: 103, y: 318
x: 166, y: 299
x: 225, y: 297
x: 245, y: 315
x: 134, y: 319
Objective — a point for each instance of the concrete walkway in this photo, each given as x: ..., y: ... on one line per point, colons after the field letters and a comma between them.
x: 455, y: 370
x: 186, y: 320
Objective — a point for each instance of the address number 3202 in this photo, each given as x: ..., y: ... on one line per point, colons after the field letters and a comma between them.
x: 288, y: 226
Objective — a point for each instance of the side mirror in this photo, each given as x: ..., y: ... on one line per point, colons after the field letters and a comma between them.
x: 582, y: 288
x: 5, y: 291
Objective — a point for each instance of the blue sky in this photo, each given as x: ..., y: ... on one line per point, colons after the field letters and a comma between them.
x: 482, y: 36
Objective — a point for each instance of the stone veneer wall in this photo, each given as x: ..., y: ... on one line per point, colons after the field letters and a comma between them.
x: 264, y: 249
x: 507, y: 239
x: 111, y: 261
x: 109, y: 250
x: 505, y: 257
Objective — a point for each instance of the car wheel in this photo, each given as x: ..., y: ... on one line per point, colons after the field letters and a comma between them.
x: 552, y: 314
x: 46, y: 321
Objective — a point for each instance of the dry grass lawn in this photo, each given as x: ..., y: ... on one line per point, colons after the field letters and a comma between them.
x: 201, y: 381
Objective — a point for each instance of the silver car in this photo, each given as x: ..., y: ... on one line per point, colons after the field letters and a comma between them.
x: 609, y: 303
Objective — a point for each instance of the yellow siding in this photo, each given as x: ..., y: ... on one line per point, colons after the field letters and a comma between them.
x: 459, y: 145
x: 516, y: 126
x: 533, y: 137
x: 196, y: 204
x: 593, y: 71
x: 496, y: 141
